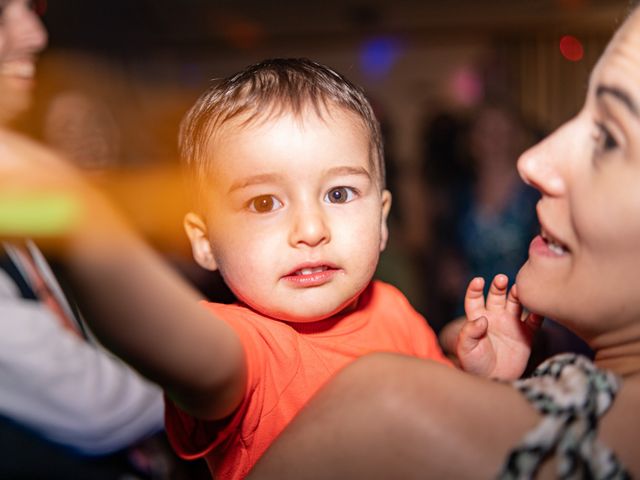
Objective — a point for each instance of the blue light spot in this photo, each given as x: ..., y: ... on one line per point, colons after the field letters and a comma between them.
x: 378, y: 55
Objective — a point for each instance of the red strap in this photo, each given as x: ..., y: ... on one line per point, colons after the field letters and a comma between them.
x: 42, y: 290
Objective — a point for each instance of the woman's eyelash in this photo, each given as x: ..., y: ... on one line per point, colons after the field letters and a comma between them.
x: 605, y: 140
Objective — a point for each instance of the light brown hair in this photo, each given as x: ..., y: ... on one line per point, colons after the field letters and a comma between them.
x: 266, y: 89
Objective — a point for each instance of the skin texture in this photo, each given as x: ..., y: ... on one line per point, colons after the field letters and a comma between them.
x: 271, y: 211
x: 393, y: 417
x: 387, y: 416
x: 22, y: 37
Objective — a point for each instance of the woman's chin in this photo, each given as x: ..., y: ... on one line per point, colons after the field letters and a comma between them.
x: 531, y: 290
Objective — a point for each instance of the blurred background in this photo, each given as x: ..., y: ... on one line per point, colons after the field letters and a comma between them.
x: 461, y: 88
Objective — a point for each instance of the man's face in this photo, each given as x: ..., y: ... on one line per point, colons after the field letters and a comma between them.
x: 22, y: 36
x: 296, y: 217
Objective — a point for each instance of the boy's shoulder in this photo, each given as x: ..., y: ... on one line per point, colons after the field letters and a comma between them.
x: 382, y: 295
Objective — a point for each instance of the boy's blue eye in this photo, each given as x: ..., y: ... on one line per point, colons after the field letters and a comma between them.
x: 340, y: 195
x: 264, y: 204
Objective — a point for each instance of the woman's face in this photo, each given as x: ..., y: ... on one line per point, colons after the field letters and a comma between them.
x: 22, y: 36
x: 584, y: 269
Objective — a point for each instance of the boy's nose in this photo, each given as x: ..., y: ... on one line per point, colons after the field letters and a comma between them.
x: 309, y: 227
x: 539, y: 167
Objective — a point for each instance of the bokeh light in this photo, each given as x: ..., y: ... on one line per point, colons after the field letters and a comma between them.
x: 378, y: 56
x: 40, y: 7
x: 466, y: 86
x: 571, y: 48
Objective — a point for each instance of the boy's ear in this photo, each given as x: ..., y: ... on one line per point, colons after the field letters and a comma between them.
x: 384, y: 229
x: 196, y: 229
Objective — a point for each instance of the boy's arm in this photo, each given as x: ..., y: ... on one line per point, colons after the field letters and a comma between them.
x: 495, y: 341
x: 136, y: 304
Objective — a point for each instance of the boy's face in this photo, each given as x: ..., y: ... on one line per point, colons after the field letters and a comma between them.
x: 295, y: 217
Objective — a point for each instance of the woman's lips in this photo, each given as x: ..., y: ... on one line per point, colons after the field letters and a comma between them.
x: 543, y: 246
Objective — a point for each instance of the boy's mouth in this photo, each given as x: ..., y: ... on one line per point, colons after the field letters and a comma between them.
x: 311, y: 270
x: 311, y: 275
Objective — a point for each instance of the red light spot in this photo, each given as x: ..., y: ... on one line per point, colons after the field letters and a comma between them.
x: 571, y: 48
x: 40, y: 7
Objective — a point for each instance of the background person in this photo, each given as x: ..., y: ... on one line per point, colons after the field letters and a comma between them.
x: 63, y: 398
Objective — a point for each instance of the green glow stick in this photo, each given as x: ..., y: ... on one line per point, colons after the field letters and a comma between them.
x: 42, y: 214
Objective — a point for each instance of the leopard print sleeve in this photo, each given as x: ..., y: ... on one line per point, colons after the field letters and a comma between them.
x: 571, y: 394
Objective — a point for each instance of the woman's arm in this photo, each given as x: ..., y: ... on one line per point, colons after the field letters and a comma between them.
x: 389, y: 416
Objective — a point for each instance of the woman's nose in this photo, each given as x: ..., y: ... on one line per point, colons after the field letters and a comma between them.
x: 540, y: 165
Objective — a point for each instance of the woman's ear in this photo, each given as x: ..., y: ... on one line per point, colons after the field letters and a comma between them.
x: 196, y: 229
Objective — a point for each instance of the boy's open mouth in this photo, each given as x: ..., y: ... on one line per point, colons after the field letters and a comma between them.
x: 311, y: 274
x: 311, y: 270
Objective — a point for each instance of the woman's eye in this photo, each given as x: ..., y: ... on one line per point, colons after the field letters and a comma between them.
x: 340, y: 195
x: 605, y: 141
x: 264, y: 204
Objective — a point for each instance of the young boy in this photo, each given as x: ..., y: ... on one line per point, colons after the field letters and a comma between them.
x: 287, y: 162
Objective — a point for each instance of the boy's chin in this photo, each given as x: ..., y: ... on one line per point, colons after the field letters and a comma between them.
x: 309, y: 314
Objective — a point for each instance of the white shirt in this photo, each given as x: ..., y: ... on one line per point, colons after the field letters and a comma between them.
x: 69, y: 390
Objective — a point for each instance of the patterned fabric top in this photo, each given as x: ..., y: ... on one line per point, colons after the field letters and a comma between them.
x: 571, y: 394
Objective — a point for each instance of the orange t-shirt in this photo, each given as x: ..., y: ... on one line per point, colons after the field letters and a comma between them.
x: 287, y: 363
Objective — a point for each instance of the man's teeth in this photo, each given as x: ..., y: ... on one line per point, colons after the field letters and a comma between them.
x: 309, y: 271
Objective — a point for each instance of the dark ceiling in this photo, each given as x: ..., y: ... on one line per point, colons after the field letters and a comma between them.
x: 134, y: 26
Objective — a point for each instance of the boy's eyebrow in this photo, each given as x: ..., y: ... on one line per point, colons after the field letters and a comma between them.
x: 275, y: 177
x: 255, y: 180
x: 348, y: 170
x: 620, y: 94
